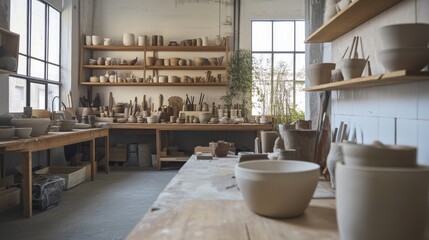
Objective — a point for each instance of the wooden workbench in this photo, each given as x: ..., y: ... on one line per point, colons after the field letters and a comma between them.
x: 49, y: 141
x: 203, y: 202
x: 162, y: 129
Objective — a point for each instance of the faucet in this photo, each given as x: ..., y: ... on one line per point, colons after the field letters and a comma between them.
x: 53, y: 112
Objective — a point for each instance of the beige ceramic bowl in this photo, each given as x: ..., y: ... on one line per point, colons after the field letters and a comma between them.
x: 6, y: 133
x: 352, y: 68
x: 319, y: 73
x: 67, y: 125
x: 407, y: 35
x: 277, y: 188
x: 412, y: 59
x: 376, y: 156
x: 23, y: 132
x: 40, y: 125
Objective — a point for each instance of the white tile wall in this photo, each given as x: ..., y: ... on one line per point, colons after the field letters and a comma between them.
x: 423, y: 142
x: 406, y: 132
x: 423, y: 100
x: 406, y: 105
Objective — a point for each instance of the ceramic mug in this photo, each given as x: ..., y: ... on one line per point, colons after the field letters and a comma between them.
x: 88, y: 40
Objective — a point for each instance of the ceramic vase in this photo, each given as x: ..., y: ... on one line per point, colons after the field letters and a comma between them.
x: 268, y: 139
x: 218, y: 40
x: 128, y: 39
x: 381, y: 203
x: 330, y: 10
x: 301, y: 140
x: 335, y: 155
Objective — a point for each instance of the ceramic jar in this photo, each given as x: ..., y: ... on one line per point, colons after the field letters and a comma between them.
x: 220, y: 148
x: 204, y: 117
x: 88, y: 40
x: 128, y: 39
x: 218, y: 40
x: 205, y: 41
x: 142, y: 40
x: 268, y: 139
x: 96, y: 40
x: 107, y: 41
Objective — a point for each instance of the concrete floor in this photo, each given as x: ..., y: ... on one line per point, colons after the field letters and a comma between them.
x: 107, y: 208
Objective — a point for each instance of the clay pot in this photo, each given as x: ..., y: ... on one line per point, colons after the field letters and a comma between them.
x: 204, y: 117
x: 87, y: 111
x: 220, y: 148
x: 411, y: 59
x: 386, y: 203
x: 129, y: 39
x: 23, y: 133
x: 301, y: 140
x: 96, y: 40
x: 319, y: 73
x: 408, y: 35
x: 174, y: 61
x: 6, y: 133
x: 267, y: 140
x: 352, y: 68
x: 40, y: 126
x: 150, y: 61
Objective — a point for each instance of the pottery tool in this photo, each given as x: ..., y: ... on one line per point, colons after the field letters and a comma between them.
x: 355, y: 53
x: 351, y: 48
x: 160, y: 100
x: 334, y: 135
x: 110, y: 101
x: 345, y: 52
x: 361, y: 47
x: 369, y: 66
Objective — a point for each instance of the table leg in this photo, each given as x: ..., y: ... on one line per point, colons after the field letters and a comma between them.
x: 27, y: 183
x: 92, y: 158
x: 158, y: 149
x: 106, y: 153
x: 2, y: 166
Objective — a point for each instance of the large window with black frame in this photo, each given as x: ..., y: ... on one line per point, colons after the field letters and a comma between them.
x: 278, y: 52
x: 37, y: 80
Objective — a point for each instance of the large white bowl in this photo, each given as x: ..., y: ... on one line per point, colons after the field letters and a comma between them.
x: 405, y: 35
x: 381, y: 203
x: 319, y: 73
x: 277, y: 188
x: 412, y: 59
x: 40, y: 125
x: 375, y: 156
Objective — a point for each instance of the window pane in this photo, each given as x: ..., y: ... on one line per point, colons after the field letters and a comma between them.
x: 300, y: 35
x: 300, y: 95
x: 283, y: 36
x: 53, y: 90
x: 300, y: 66
x: 53, y: 73
x: 38, y: 30
x: 283, y: 66
x: 37, y: 68
x: 261, y: 36
x: 261, y: 83
x: 261, y: 66
x: 22, y: 65
x: 17, y: 94
x: 54, y: 36
x: 37, y: 96
x: 18, y: 22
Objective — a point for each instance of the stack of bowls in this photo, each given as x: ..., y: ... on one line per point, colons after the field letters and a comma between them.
x: 382, y: 190
x: 406, y: 46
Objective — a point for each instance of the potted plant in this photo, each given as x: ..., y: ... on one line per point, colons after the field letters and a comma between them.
x: 239, y: 72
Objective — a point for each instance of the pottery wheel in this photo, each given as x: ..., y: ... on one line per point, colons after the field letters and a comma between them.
x: 176, y: 103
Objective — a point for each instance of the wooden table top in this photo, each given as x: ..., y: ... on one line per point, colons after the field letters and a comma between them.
x: 203, y: 202
x: 192, y: 126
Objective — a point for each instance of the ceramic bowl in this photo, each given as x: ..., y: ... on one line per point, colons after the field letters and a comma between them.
x: 162, y: 78
x: 5, y: 120
x: 40, y: 125
x: 67, y: 125
x: 319, y: 73
x: 150, y: 61
x: 205, y: 117
x: 22, y: 133
x: 412, y: 59
x: 409, y: 35
x: 94, y: 79
x: 92, y: 61
x: 174, y: 61
x: 6, y: 133
x: 132, y: 61
x: 96, y: 40
x: 277, y: 188
x: 373, y: 198
x: 151, y: 119
x: 174, y: 79
x: 379, y: 156
x: 352, y: 68
x: 199, y: 61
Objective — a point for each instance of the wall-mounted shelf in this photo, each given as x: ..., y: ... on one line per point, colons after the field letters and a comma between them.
x: 358, y: 12
x: 155, y: 84
x: 9, y: 41
x: 157, y: 48
x: 205, y: 67
x: 390, y: 78
x: 115, y: 67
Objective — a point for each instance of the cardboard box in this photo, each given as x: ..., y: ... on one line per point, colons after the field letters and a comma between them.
x: 72, y: 175
x: 118, y: 154
x: 87, y: 166
x: 9, y: 197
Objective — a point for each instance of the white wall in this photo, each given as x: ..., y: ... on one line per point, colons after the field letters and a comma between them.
x: 175, y: 20
x: 4, y: 79
x: 393, y: 114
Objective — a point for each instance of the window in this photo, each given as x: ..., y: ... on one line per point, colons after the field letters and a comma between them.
x: 278, y: 52
x: 38, y: 77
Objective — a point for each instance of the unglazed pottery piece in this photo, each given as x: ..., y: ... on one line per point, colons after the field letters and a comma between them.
x: 40, y: 126
x: 376, y: 203
x: 303, y: 141
x: 352, y: 68
x: 411, y: 59
x: 23, y: 133
x: 277, y: 188
x: 268, y: 139
x: 379, y: 156
x: 408, y: 35
x: 319, y: 73
x: 6, y: 133
x: 129, y: 39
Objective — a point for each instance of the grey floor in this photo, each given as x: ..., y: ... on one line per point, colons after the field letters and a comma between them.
x: 107, y: 208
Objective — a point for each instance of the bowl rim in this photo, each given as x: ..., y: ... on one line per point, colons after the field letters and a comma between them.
x: 418, y: 168
x: 242, y: 166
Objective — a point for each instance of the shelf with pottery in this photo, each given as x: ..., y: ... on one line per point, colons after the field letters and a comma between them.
x: 204, y: 67
x: 9, y: 47
x: 153, y: 84
x: 157, y: 48
x: 389, y: 78
x: 358, y: 12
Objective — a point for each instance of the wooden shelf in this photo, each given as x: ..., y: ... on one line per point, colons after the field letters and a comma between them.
x: 358, y: 12
x: 174, y: 159
x: 389, y: 78
x: 155, y: 84
x: 2, y: 71
x: 117, y: 67
x: 205, y: 67
x: 157, y: 48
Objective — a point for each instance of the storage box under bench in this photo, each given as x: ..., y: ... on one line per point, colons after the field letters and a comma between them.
x: 72, y: 175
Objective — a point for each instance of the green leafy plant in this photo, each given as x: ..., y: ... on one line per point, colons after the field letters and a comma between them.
x: 240, y: 80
